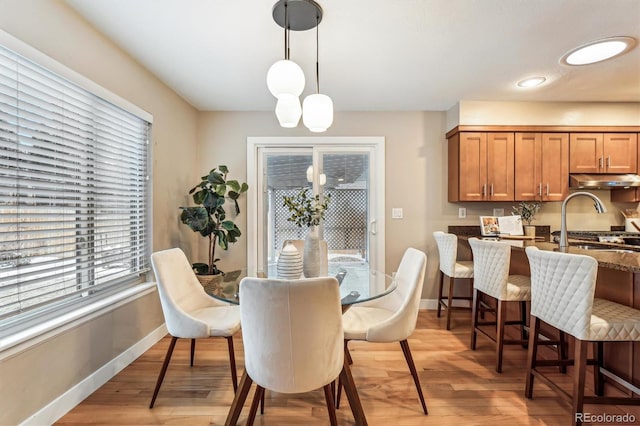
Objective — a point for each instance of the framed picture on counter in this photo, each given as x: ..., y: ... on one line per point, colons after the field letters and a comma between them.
x: 505, y: 225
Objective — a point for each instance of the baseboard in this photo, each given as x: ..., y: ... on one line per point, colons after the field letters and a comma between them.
x: 65, y: 402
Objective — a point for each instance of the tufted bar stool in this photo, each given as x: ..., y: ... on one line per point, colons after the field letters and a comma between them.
x: 491, y: 261
x: 562, y: 295
x: 452, y: 269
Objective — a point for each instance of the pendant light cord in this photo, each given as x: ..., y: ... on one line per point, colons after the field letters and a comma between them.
x: 317, y: 56
x: 286, y: 31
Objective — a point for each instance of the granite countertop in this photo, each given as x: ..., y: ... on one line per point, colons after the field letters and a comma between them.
x: 621, y: 257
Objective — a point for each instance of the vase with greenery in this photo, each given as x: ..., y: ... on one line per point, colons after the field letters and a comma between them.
x: 209, y: 217
x: 527, y: 212
x: 308, y: 211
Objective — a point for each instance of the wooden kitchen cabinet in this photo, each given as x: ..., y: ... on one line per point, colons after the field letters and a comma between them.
x: 481, y: 166
x: 603, y: 153
x: 631, y: 195
x: 541, y: 166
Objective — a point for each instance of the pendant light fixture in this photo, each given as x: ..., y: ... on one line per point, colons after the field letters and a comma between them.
x: 317, y: 109
x: 285, y: 81
x: 285, y: 78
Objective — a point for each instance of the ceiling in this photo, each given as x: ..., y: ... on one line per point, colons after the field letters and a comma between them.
x: 377, y: 55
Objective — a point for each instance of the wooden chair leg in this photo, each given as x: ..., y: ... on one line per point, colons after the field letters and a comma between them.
x: 257, y: 397
x: 232, y: 361
x: 262, y: 404
x: 500, y: 323
x: 598, y: 378
x: 441, y: 284
x: 523, y: 326
x: 193, y: 351
x: 474, y: 318
x: 352, y: 395
x: 331, y: 408
x: 163, y: 370
x: 534, y: 329
x: 404, y: 344
x: 347, y: 356
x: 562, y: 350
x: 238, y: 400
x: 450, y: 301
x: 580, y: 368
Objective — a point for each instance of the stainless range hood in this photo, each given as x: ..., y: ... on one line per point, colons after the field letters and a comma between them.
x: 593, y: 181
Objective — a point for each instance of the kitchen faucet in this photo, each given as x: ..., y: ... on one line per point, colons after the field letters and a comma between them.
x: 600, y: 208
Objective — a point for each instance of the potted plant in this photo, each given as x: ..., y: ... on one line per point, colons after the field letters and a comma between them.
x: 308, y: 211
x: 209, y: 217
x: 527, y: 212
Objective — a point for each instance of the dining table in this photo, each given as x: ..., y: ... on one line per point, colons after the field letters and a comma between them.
x: 357, y: 283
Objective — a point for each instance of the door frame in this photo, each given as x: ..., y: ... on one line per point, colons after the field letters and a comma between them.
x: 377, y: 166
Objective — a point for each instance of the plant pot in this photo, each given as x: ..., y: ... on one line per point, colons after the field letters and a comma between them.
x: 210, y: 281
x: 529, y: 230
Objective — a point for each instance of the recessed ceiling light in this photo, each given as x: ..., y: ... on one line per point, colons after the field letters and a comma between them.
x: 531, y: 82
x: 599, y: 50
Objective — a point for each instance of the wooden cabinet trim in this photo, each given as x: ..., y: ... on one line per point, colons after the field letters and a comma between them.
x: 546, y: 129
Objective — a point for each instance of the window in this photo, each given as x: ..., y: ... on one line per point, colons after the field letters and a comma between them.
x: 74, y: 192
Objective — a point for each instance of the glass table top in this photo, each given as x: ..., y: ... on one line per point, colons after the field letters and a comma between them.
x: 356, y: 285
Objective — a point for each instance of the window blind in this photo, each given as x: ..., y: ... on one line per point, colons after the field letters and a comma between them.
x: 74, y: 191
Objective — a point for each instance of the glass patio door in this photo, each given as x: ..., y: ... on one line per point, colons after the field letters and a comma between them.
x: 350, y: 225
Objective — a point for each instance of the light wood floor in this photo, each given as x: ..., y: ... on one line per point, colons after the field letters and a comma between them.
x: 461, y: 387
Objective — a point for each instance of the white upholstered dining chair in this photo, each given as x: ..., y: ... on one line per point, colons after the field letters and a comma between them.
x: 453, y: 269
x: 293, y: 339
x: 189, y: 312
x: 562, y: 295
x: 392, y: 318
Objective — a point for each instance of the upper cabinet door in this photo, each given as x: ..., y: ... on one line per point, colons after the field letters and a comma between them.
x: 585, y: 153
x: 528, y: 166
x: 500, y: 166
x: 473, y: 166
x: 620, y: 152
x: 555, y: 166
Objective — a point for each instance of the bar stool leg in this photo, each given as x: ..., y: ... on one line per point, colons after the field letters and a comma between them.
x: 500, y: 323
x: 474, y: 318
x: 450, y: 302
x: 439, y: 308
x: 534, y: 329
x: 598, y: 378
x: 578, y: 378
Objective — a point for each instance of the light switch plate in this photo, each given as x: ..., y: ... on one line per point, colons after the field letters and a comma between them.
x: 498, y: 212
x: 462, y: 213
x: 396, y: 213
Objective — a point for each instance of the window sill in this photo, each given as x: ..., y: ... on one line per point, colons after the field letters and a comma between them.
x: 20, y: 341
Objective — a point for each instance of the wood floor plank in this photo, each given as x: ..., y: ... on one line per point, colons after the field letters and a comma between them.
x: 460, y: 386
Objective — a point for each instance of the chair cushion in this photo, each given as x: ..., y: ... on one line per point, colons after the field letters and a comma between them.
x: 222, y: 320
x: 613, y: 321
x: 518, y: 288
x: 463, y: 269
x: 358, y: 320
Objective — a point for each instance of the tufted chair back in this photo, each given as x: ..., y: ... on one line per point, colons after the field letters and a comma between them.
x: 448, y: 251
x: 491, y: 267
x: 562, y: 290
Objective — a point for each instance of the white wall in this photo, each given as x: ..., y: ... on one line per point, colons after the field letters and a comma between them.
x: 32, y: 378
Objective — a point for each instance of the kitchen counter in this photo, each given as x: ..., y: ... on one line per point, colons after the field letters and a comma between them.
x: 619, y: 260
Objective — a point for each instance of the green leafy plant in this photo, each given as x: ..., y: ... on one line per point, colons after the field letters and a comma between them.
x: 209, y: 217
x: 306, y: 210
x: 527, y: 211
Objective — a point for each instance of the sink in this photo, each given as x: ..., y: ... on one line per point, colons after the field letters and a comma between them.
x: 601, y: 248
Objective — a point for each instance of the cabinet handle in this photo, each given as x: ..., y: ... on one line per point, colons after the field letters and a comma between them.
x: 484, y: 190
x: 600, y: 162
x: 547, y: 190
x: 608, y: 162
x: 492, y: 190
x: 540, y: 189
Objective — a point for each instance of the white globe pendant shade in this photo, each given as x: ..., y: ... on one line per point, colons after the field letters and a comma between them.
x: 317, y: 112
x: 288, y: 110
x: 285, y: 77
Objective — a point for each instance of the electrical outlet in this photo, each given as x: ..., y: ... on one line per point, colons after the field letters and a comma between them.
x: 462, y: 213
x: 396, y: 213
x: 498, y: 212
